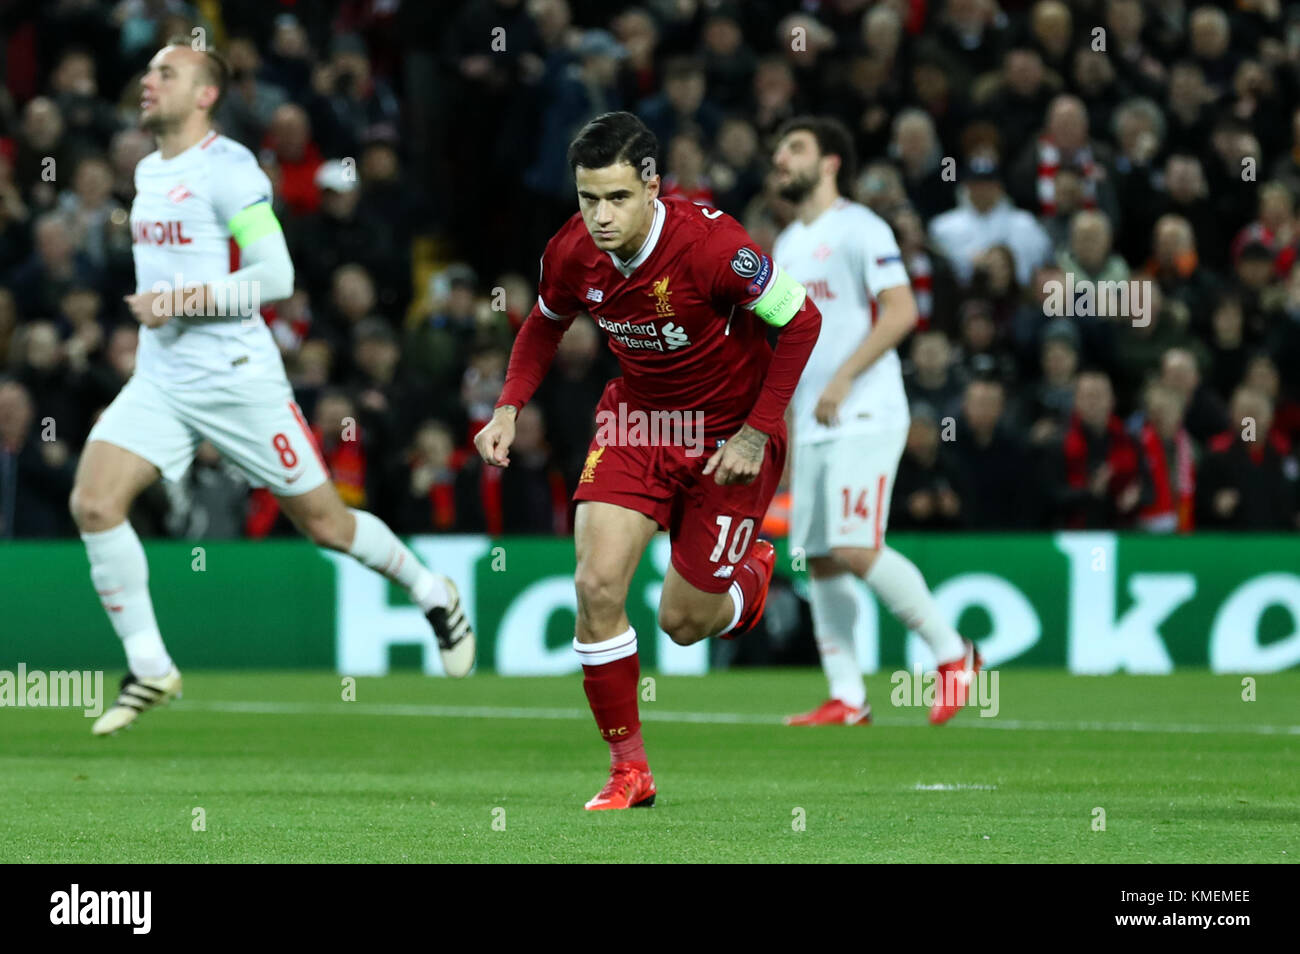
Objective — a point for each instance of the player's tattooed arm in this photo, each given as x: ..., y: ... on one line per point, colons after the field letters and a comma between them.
x: 740, y: 459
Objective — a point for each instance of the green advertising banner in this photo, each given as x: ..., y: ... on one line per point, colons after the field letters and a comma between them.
x: 1089, y: 602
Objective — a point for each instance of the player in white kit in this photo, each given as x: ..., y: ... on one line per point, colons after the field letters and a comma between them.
x: 207, y: 368
x: 851, y: 420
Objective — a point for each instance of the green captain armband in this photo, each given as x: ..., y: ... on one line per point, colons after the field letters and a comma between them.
x: 781, y: 302
x: 253, y: 223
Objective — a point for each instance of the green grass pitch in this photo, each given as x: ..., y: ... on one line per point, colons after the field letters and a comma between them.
x: 496, y: 769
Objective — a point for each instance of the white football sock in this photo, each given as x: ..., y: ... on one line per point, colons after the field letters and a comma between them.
x: 897, y: 581
x: 120, y: 572
x: 377, y: 547
x: 835, y: 611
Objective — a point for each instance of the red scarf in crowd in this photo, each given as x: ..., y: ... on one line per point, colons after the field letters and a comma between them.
x: 1049, y: 164
x: 1121, y: 454
x: 1166, y: 511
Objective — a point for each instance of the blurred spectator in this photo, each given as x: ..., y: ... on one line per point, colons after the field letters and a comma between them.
x: 1228, y: 346
x: 422, y: 490
x: 1262, y: 375
x: 574, y: 94
x: 969, y: 39
x: 15, y: 238
x: 930, y: 374
x: 995, y: 483
x: 1204, y: 413
x: 1169, y: 465
x: 1247, y: 480
x: 250, y: 102
x: 343, y: 446
x: 1140, y: 347
x: 390, y: 402
x: 916, y: 147
x: 352, y: 298
x: 352, y: 105
x: 209, y: 502
x: 296, y: 156
x: 933, y: 285
x: 980, y: 352
x: 54, y: 267
x: 438, y: 348
x: 1051, y: 28
x: 581, y: 369
x: 1175, y: 266
x: 684, y: 173
x: 339, y: 234
x: 35, y: 474
x: 1052, y: 400
x: 1019, y: 98
x: 42, y: 152
x: 984, y: 217
x: 1139, y: 130
x: 729, y: 63
x: 88, y: 120
x: 924, y: 498
x: 737, y: 170
x: 1064, y: 145
x: 529, y: 496
x: 1138, y: 66
x: 128, y: 147
x: 1097, y: 479
x: 98, y: 222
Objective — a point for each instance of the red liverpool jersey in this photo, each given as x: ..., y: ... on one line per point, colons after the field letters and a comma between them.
x: 675, y: 316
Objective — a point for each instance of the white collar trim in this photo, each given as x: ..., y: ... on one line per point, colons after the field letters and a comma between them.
x: 647, y: 247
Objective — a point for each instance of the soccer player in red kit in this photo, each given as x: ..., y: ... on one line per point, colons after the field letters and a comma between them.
x: 686, y: 299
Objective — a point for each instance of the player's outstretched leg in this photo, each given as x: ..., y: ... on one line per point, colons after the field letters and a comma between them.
x: 899, y: 584
x: 832, y: 593
x: 321, y: 515
x: 108, y: 480
x: 609, y: 540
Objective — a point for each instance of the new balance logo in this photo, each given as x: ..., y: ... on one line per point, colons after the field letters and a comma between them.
x: 724, y: 572
x: 179, y: 193
x: 595, y: 294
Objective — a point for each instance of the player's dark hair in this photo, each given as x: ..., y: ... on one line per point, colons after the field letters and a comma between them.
x: 215, y: 67
x: 833, y: 139
x: 612, y: 138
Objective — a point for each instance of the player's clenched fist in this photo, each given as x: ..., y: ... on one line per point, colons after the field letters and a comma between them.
x: 151, y: 309
x: 740, y: 459
x: 494, y: 440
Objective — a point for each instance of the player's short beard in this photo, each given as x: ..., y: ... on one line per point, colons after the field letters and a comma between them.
x: 158, y: 122
x: 798, y: 188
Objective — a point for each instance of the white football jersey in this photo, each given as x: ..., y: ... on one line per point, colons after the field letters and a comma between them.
x: 179, y: 235
x: 845, y: 258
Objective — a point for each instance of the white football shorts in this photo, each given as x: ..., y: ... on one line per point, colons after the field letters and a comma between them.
x: 840, y: 490
x: 258, y: 427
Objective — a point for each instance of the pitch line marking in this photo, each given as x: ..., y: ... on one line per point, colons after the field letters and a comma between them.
x: 710, y: 718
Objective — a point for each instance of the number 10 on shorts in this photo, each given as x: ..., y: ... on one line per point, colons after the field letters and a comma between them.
x: 739, y: 540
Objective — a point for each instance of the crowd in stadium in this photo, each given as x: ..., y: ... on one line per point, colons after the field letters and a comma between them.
x: 418, y: 156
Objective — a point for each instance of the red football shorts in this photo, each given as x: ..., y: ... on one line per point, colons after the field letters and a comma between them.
x: 711, y: 527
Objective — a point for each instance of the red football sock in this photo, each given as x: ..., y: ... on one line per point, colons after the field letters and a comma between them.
x: 611, y: 687
x: 747, y: 583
